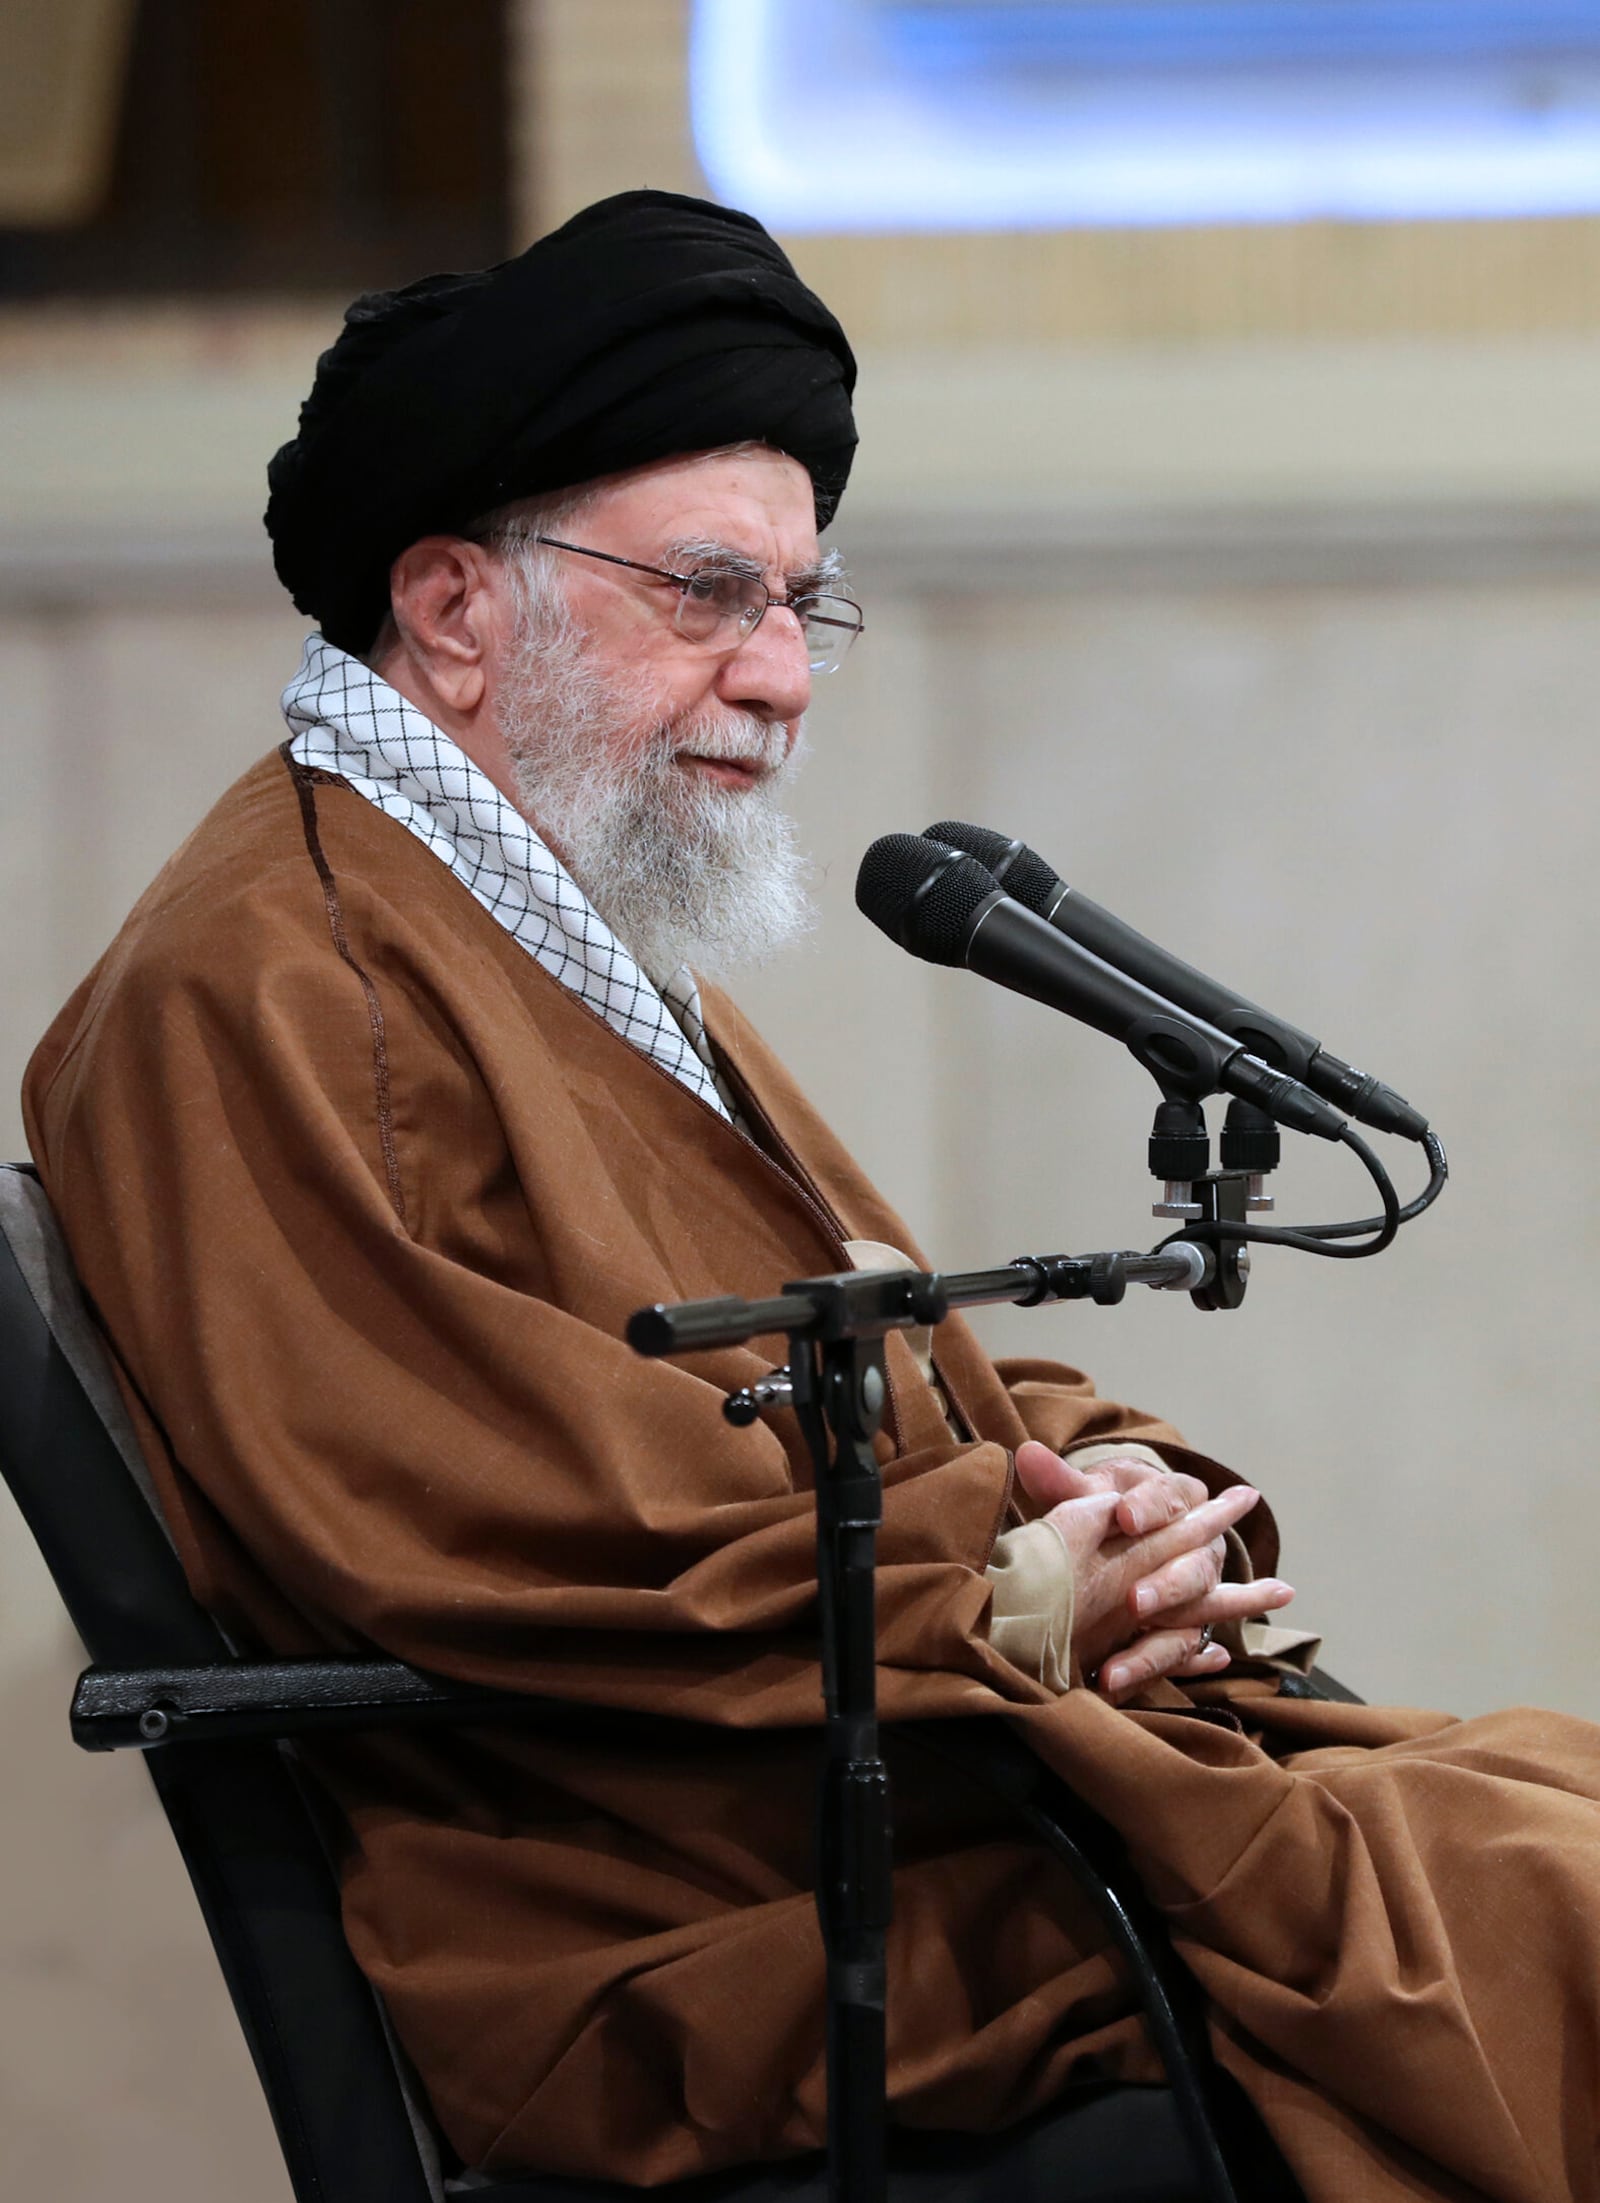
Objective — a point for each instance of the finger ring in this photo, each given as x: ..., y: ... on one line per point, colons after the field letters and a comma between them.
x: 1207, y: 1632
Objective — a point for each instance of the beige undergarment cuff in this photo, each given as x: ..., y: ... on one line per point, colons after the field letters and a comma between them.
x: 1030, y: 1617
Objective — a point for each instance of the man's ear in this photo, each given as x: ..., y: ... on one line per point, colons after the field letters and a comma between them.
x: 451, y: 615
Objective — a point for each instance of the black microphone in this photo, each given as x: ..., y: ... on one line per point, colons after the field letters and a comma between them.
x: 942, y: 905
x: 1023, y: 873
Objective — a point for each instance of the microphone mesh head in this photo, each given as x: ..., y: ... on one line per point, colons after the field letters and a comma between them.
x: 1025, y: 876
x: 922, y: 895
x: 981, y: 842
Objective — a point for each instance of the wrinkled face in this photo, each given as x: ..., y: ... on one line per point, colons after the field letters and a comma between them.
x: 649, y: 760
x: 755, y: 506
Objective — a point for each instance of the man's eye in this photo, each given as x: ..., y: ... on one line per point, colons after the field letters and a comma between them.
x: 719, y: 590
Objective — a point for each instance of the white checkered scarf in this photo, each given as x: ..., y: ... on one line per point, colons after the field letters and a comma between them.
x: 345, y: 719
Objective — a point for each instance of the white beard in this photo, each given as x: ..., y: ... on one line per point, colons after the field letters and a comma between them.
x: 682, y: 870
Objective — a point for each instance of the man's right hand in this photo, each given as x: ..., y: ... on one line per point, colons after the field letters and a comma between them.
x: 1147, y: 1553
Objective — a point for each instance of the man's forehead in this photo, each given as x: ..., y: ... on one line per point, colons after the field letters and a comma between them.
x: 758, y: 503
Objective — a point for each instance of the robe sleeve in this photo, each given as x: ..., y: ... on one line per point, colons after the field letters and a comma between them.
x: 414, y: 1453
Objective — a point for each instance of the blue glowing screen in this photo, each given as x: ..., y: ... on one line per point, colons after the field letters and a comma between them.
x: 941, y: 114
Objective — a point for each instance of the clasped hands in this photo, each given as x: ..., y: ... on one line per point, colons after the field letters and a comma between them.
x: 1147, y: 1548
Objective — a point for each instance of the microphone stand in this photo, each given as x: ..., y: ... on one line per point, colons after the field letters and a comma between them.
x: 835, y: 1381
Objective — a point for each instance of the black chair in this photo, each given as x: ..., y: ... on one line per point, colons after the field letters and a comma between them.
x: 353, y: 2124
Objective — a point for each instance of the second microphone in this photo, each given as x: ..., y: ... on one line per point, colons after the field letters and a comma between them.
x: 943, y: 905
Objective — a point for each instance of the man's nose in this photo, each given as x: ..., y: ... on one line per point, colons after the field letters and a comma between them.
x: 770, y: 672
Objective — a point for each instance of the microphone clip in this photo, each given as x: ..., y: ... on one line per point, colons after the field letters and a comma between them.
x: 1195, y: 1194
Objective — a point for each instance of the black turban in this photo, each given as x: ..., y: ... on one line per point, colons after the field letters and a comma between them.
x: 647, y: 326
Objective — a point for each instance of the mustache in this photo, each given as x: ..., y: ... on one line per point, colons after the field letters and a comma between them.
x: 738, y: 738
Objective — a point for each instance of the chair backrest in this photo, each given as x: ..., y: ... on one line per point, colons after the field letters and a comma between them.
x: 71, y: 1460
x: 269, y: 1897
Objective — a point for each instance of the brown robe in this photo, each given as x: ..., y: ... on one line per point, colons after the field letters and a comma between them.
x: 363, y: 1199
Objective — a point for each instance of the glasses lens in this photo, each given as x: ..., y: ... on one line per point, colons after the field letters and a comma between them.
x: 831, y: 625
x: 716, y: 606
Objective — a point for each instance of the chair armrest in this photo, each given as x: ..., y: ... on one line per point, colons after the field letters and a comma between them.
x: 1318, y: 1684
x: 119, y: 1709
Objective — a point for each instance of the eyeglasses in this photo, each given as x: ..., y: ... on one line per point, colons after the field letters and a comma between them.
x: 723, y: 606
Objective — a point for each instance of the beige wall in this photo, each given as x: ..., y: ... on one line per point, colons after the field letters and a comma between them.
x: 1252, y: 576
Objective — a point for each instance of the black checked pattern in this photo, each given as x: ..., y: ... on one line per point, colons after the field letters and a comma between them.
x: 346, y: 719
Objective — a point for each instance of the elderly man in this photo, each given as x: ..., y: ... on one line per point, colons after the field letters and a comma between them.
x: 397, y: 1094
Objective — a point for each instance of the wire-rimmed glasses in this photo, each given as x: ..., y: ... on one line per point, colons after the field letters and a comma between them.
x: 724, y: 605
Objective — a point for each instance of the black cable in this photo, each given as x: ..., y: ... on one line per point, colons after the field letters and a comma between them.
x: 1440, y: 1168
x: 1322, y: 1239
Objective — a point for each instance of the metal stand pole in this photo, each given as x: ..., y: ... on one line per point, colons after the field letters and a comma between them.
x: 839, y: 1387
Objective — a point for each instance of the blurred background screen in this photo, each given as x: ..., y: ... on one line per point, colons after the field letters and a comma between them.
x: 946, y: 114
